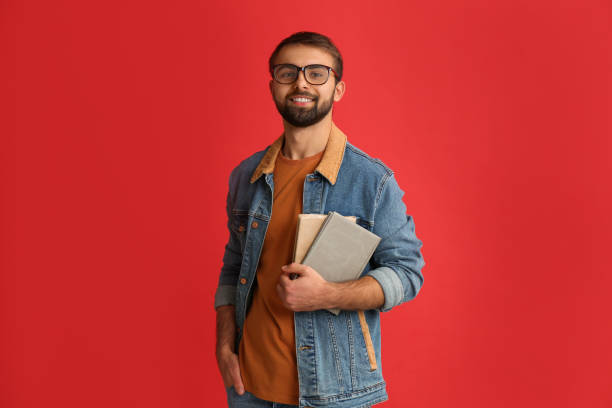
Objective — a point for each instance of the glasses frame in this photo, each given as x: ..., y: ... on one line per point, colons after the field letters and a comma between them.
x: 303, y: 71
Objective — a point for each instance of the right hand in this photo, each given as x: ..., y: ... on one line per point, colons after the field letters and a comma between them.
x: 230, y: 370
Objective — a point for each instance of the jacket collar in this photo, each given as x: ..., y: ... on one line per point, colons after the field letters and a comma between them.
x: 328, y: 166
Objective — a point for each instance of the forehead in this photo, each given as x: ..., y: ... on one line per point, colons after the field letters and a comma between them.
x: 301, y: 55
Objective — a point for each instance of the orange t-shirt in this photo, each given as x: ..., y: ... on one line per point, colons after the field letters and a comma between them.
x: 267, y: 348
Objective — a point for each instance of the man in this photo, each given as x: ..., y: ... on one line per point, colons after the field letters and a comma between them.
x: 277, y: 345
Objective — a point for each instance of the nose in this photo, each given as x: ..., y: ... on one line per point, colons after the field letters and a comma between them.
x: 301, y: 82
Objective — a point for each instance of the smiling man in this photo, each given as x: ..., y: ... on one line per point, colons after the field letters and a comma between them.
x: 277, y: 345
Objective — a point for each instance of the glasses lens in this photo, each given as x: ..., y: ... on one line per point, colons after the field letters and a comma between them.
x: 286, y: 74
x: 317, y: 74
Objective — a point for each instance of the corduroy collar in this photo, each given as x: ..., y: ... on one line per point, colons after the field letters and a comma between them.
x: 328, y: 166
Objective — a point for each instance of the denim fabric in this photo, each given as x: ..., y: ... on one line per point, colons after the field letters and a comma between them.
x: 248, y: 400
x: 333, y: 365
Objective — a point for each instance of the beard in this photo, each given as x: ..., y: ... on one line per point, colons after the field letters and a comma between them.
x: 304, y: 117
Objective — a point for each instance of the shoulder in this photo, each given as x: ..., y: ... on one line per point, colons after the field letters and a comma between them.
x: 245, y: 168
x: 356, y: 159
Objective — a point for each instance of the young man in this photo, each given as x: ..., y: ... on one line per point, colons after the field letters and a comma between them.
x: 277, y: 345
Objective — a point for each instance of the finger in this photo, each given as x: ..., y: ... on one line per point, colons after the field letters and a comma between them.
x: 239, y: 386
x: 237, y: 379
x: 284, y: 279
x: 297, y: 265
x: 292, y: 274
x: 294, y: 267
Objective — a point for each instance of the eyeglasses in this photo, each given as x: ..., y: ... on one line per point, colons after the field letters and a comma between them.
x: 314, y: 74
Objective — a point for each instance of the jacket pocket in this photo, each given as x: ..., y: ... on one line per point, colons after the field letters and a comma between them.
x: 365, y: 330
x: 239, y: 224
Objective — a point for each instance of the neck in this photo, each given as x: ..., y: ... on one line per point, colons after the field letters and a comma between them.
x: 306, y: 141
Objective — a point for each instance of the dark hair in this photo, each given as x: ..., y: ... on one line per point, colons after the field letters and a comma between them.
x: 315, y: 40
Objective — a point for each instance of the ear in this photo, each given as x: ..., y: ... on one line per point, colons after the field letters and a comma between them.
x: 339, y: 91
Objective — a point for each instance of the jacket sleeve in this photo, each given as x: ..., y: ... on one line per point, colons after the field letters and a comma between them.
x: 397, y: 258
x: 232, y: 258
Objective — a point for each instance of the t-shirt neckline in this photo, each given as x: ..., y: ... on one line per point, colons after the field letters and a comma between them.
x: 287, y: 160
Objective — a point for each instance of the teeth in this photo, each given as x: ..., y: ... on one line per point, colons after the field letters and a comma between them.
x: 302, y: 99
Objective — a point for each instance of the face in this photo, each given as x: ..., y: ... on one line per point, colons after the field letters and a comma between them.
x: 301, y: 103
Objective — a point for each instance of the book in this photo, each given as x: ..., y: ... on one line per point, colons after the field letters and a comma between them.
x: 340, y: 248
x: 308, y: 226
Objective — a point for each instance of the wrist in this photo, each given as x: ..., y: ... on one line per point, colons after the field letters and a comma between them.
x: 332, y: 297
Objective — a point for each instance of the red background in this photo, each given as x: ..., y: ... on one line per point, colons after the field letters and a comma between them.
x: 121, y: 121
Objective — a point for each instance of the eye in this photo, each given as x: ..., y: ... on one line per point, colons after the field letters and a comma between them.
x: 285, y: 73
x: 317, y: 72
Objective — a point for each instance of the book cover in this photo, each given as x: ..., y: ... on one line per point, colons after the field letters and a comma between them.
x: 308, y: 226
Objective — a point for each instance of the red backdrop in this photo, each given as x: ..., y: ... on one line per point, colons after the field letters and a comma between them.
x: 121, y: 121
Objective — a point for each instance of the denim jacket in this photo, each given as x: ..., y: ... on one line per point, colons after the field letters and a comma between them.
x: 338, y: 357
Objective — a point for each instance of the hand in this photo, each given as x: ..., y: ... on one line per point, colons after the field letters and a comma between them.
x: 230, y: 370
x: 309, y: 291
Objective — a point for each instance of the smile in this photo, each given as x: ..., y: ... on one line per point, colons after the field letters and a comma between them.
x: 300, y: 99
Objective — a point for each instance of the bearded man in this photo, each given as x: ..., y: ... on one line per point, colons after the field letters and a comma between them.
x: 277, y: 344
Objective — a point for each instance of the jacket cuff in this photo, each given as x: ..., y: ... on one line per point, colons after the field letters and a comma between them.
x: 225, y: 295
x: 391, y: 285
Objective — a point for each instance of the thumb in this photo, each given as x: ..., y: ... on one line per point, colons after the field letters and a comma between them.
x: 237, y: 380
x: 291, y: 271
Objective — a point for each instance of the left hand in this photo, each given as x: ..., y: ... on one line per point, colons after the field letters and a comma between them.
x: 306, y: 293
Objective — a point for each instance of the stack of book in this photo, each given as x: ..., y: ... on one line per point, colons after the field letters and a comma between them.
x: 334, y: 246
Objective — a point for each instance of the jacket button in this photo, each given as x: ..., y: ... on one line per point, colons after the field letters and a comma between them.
x: 254, y: 224
x: 243, y: 280
x: 241, y: 228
